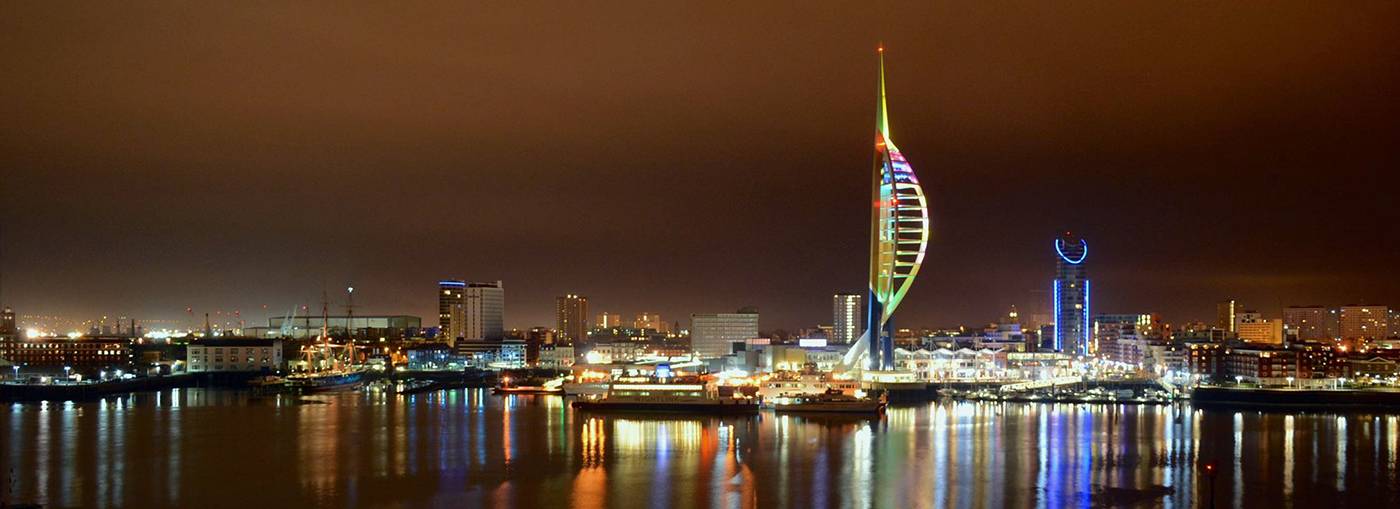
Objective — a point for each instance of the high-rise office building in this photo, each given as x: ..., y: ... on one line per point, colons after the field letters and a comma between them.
x: 1310, y: 323
x: 1070, y: 295
x: 1366, y: 323
x: 484, y: 311
x: 451, y: 309
x: 845, y: 318
x: 571, y: 319
x: 651, y: 321
x: 713, y: 335
x: 1225, y: 313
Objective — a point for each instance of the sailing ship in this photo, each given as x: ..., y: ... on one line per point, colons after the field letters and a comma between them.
x: 327, y: 370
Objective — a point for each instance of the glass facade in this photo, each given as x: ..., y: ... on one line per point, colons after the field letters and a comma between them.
x: 1070, y: 292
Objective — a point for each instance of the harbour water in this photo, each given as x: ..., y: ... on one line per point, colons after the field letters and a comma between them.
x: 468, y: 448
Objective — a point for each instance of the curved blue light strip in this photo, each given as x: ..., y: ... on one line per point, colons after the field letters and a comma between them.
x: 1082, y: 256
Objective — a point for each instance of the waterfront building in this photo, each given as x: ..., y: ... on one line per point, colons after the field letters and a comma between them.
x: 231, y: 355
x: 82, y: 355
x: 433, y: 357
x: 1070, y: 296
x: 1261, y: 365
x: 571, y: 318
x: 556, y: 356
x: 492, y: 354
x: 713, y: 335
x: 1252, y: 329
x: 899, y: 233
x: 608, y: 320
x: 1205, y: 358
x: 1110, y: 329
x: 452, y: 308
x: 963, y: 364
x: 1364, y: 324
x: 1316, y: 359
x: 1309, y: 323
x: 845, y: 318
x: 1225, y: 315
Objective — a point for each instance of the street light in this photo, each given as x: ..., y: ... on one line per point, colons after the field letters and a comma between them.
x: 66, y: 370
x: 1290, y: 381
x: 16, y: 368
x: 1238, y: 379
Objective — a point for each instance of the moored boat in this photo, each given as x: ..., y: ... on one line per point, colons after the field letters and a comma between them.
x: 661, y: 397
x: 831, y: 402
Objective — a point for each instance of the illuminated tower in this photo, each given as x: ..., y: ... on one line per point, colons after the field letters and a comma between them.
x: 1071, y: 295
x: 899, y: 230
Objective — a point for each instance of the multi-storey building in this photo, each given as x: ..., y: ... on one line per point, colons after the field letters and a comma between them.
x: 1309, y: 323
x: 8, y: 327
x: 234, y: 355
x: 608, y: 320
x: 845, y: 319
x: 87, y: 355
x: 712, y: 335
x: 1225, y: 315
x: 571, y: 318
x: 1260, y: 330
x: 1070, y: 296
x: 485, y: 311
x: 1109, y: 329
x: 1364, y: 324
x: 1270, y: 366
x: 653, y: 321
x: 451, y: 309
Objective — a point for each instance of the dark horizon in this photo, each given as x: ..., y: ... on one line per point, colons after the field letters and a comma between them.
x: 692, y: 159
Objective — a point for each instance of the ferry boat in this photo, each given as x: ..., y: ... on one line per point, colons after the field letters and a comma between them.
x: 662, y: 397
x: 507, y: 386
x: 805, y: 384
x: 833, y: 401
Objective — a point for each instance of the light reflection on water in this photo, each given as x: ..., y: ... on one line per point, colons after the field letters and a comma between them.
x: 202, y: 448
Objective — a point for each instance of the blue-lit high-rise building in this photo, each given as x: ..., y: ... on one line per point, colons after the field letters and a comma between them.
x: 1071, y: 295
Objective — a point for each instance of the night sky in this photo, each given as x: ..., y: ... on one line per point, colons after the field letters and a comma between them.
x: 677, y: 159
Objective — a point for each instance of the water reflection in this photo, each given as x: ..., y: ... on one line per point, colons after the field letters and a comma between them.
x: 470, y: 448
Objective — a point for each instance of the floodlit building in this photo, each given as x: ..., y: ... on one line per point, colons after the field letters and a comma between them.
x: 87, y: 355
x: 229, y: 355
x: 1260, y: 330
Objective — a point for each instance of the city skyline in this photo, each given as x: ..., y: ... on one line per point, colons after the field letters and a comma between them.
x: 224, y: 175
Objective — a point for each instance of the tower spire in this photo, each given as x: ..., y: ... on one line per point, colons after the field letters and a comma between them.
x: 882, y: 122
